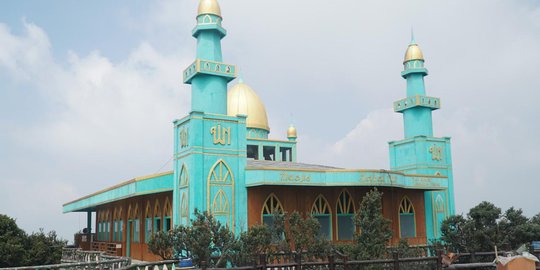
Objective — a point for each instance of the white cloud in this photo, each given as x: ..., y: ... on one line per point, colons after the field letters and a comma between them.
x: 85, y: 122
x: 114, y: 118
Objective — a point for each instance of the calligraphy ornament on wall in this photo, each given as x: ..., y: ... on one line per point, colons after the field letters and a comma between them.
x: 436, y: 152
x: 184, y: 135
x: 221, y: 135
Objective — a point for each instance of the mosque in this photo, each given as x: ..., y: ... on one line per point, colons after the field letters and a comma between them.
x: 225, y: 163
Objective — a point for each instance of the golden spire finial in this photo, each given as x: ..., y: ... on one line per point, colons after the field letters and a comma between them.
x: 292, y: 133
x: 413, y: 51
x: 209, y: 7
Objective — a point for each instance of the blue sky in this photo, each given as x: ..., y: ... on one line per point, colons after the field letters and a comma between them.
x: 89, y: 90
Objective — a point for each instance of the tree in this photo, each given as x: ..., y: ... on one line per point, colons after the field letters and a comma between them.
x: 304, y: 235
x: 19, y: 249
x: 12, y: 242
x: 208, y: 240
x: 485, y: 227
x: 516, y: 228
x: 161, y: 244
x: 455, y: 232
x: 375, y: 231
x: 484, y: 230
x: 257, y: 240
x: 43, y: 248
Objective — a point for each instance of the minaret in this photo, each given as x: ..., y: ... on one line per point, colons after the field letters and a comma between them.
x: 420, y: 152
x: 417, y: 107
x: 210, y: 146
x: 208, y: 76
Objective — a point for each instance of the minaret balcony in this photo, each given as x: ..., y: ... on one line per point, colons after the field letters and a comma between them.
x: 201, y: 66
x: 417, y: 101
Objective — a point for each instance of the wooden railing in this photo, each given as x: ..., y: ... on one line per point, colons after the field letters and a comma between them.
x: 294, y: 261
x: 111, y: 249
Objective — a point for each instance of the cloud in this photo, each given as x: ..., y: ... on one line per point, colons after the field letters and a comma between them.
x: 73, y: 123
x: 97, y: 115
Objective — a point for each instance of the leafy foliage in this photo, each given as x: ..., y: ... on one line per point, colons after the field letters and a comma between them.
x: 12, y: 243
x: 256, y: 240
x: 161, y: 244
x: 485, y: 227
x: 19, y: 249
x: 43, y: 248
x: 375, y: 231
x: 208, y: 237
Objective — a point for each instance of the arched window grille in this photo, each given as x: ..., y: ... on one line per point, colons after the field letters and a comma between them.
x: 272, y: 206
x: 345, y: 214
x: 157, y: 217
x: 148, y: 222
x: 321, y: 211
x: 407, y: 222
x: 167, y: 213
x: 118, y: 225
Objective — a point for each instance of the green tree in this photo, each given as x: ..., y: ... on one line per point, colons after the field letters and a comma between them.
x: 257, y: 240
x: 19, y: 249
x: 161, y: 244
x: 456, y: 234
x: 304, y: 235
x: 43, y: 248
x: 375, y: 231
x: 484, y: 227
x: 12, y: 243
x: 515, y: 228
x: 208, y: 240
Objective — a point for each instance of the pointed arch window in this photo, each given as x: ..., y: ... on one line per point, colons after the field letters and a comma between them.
x: 135, y: 224
x: 221, y: 208
x: 118, y: 225
x: 184, y: 177
x: 167, y: 213
x: 439, y: 204
x: 184, y: 209
x: 345, y: 214
x: 148, y: 222
x: 321, y: 211
x: 107, y: 226
x: 157, y: 217
x: 272, y: 206
x: 407, y: 222
x: 221, y: 174
x: 99, y: 225
x: 220, y: 198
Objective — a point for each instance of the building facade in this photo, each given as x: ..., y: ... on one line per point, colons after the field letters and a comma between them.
x: 226, y: 164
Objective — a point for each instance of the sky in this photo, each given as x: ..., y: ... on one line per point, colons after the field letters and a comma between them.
x: 89, y: 90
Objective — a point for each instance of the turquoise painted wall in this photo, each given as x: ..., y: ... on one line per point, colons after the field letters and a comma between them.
x: 210, y: 147
x: 420, y: 152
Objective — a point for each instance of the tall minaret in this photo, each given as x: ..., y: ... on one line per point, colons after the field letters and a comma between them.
x: 210, y: 146
x: 420, y: 152
x: 417, y: 107
x: 208, y: 76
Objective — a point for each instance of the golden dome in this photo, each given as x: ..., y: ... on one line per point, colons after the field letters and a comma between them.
x: 413, y: 53
x: 291, y: 132
x: 241, y: 99
x: 209, y: 7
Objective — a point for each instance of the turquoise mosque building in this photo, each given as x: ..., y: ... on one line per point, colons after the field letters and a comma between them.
x: 226, y: 164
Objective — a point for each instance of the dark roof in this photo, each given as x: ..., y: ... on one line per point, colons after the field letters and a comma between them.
x: 260, y: 164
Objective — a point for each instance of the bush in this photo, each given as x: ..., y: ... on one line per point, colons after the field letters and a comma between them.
x: 375, y: 231
x: 19, y: 249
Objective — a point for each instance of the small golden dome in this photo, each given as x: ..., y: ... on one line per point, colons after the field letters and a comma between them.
x: 241, y: 99
x: 209, y: 7
x: 413, y: 53
x: 291, y: 132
